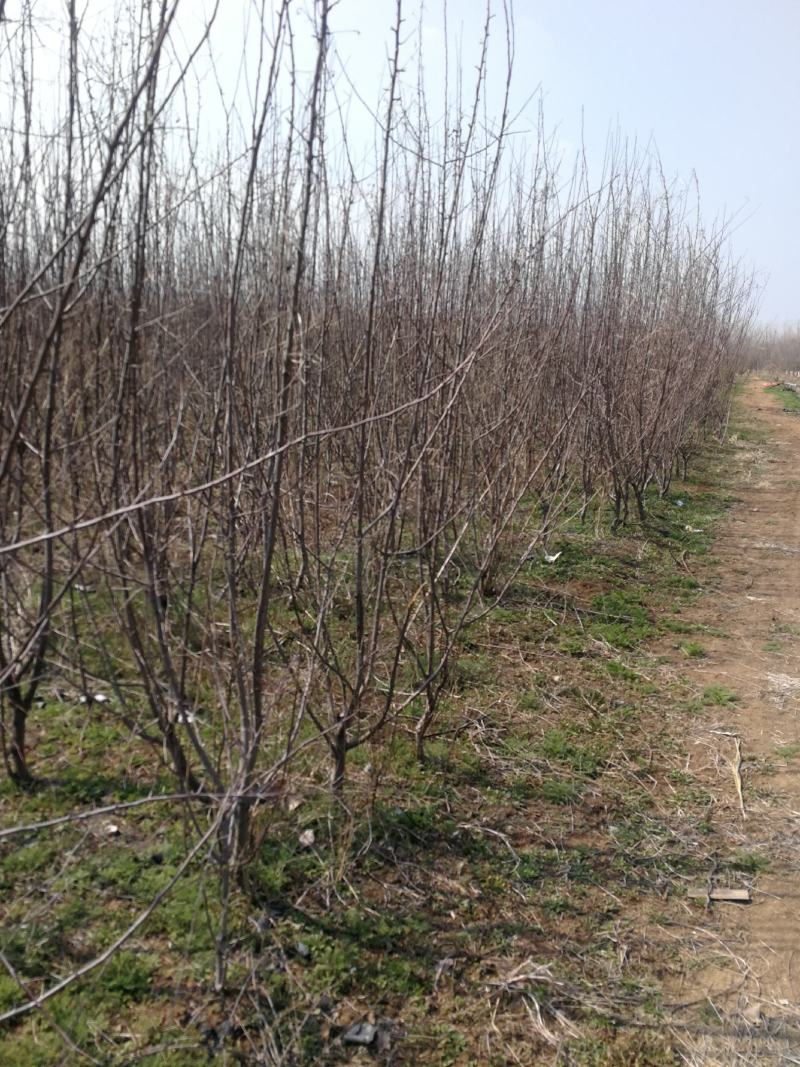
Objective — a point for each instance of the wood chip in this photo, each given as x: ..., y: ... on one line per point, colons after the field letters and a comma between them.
x: 730, y: 896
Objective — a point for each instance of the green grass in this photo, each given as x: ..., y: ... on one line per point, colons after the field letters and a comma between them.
x: 693, y: 650
x: 564, y: 747
x: 622, y: 1049
x: 788, y: 397
x: 718, y: 696
x: 749, y: 863
x: 622, y: 619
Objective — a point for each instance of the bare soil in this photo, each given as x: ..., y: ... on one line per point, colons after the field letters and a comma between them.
x: 739, y: 995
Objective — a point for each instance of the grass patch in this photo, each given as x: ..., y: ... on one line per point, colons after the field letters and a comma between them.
x: 621, y: 619
x: 788, y: 397
x: 693, y: 650
x: 718, y: 696
x: 749, y: 863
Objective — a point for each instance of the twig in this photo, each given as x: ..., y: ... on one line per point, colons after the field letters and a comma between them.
x: 736, y: 767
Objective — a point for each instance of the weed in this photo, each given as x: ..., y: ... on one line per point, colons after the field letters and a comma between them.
x: 678, y: 626
x: 126, y: 976
x: 624, y: 621
x: 557, y: 792
x: 693, y: 650
x: 558, y: 904
x: 621, y: 1049
x: 560, y: 746
x: 718, y: 696
x: 572, y: 646
x: 530, y: 701
x: 472, y: 671
x: 617, y: 669
x: 749, y: 862
x: 533, y: 866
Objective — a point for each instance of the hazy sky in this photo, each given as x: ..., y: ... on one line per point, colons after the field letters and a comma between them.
x: 714, y: 84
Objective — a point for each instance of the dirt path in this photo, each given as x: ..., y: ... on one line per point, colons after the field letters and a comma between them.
x: 743, y: 962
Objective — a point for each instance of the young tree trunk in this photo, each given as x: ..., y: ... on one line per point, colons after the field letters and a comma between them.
x: 19, y: 770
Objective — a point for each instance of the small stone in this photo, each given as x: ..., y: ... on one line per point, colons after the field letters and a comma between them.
x: 307, y: 838
x: 360, y: 1034
x: 302, y: 950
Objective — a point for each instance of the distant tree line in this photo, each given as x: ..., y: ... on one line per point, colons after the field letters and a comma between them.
x: 772, y: 349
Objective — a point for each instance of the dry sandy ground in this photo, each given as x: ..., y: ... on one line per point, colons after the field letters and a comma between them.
x: 742, y: 962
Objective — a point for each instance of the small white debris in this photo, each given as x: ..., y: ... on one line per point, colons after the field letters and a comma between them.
x: 112, y: 829
x: 445, y: 965
x: 551, y: 559
x: 307, y: 838
x: 679, y: 503
x: 185, y: 717
x: 784, y: 683
x: 692, y: 529
x: 556, y: 677
x: 94, y: 698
